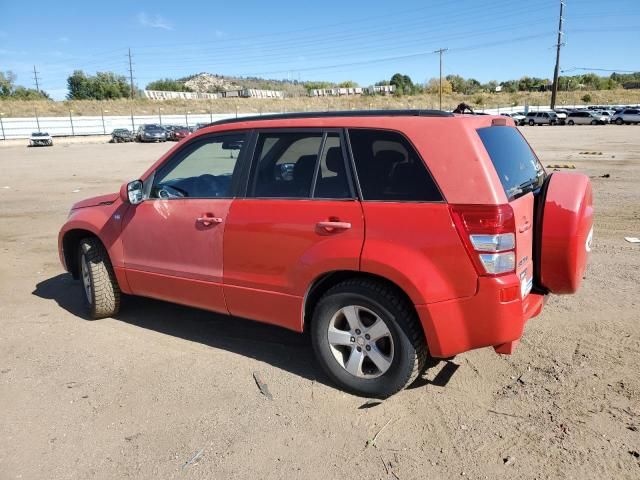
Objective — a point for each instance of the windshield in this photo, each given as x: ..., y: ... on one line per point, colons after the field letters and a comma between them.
x: 516, y: 165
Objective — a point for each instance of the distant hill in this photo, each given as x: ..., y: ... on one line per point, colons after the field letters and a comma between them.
x: 211, y: 83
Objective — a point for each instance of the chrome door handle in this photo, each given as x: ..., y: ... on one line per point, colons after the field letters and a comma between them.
x: 331, y: 226
x: 206, y: 221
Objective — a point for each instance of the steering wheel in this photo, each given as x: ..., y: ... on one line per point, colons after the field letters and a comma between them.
x: 169, y: 191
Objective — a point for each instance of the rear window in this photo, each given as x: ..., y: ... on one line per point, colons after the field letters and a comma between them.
x: 515, y: 163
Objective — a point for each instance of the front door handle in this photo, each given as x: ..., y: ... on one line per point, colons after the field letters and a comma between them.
x: 333, y: 226
x: 208, y: 220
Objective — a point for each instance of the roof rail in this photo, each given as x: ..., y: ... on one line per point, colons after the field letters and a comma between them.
x: 341, y: 113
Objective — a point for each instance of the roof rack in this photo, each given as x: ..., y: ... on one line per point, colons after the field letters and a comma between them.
x: 342, y: 113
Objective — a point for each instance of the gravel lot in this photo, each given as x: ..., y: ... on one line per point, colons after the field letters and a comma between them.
x: 165, y: 391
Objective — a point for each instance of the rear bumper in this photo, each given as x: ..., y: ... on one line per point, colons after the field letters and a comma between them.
x: 460, y: 325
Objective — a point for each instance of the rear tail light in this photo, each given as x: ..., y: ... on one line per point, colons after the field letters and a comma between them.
x: 488, y: 233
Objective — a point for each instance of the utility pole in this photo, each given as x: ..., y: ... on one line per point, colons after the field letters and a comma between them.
x: 131, y: 75
x: 554, y: 87
x: 441, y: 51
x: 35, y: 77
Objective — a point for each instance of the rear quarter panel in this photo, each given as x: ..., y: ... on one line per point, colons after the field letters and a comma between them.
x: 417, y: 246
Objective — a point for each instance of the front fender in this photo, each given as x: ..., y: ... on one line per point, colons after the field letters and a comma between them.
x: 103, y: 221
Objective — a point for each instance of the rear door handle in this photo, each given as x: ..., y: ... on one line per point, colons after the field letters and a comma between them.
x: 333, y: 226
x: 207, y: 220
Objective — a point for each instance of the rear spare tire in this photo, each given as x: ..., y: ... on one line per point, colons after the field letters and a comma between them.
x: 566, y: 231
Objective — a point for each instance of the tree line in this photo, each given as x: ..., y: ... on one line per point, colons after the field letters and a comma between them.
x: 109, y: 85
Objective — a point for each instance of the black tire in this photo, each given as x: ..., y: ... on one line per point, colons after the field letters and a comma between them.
x: 619, y: 121
x: 594, y: 122
x: 398, y: 315
x: 531, y: 123
x: 571, y: 122
x: 103, y: 298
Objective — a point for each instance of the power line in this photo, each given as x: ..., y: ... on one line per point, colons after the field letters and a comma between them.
x: 554, y: 91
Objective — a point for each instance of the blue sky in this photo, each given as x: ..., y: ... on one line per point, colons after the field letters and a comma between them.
x: 328, y: 40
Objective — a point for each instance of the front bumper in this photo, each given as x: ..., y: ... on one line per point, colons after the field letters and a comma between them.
x: 463, y: 324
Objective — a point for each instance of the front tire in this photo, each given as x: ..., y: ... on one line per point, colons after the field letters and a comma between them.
x: 101, y: 292
x: 619, y: 121
x: 571, y: 123
x: 367, y: 338
x: 531, y: 123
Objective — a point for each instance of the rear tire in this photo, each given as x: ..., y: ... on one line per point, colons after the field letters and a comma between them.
x: 377, y: 346
x: 101, y: 291
x: 594, y: 122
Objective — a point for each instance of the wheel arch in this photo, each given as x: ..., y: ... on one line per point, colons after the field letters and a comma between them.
x: 327, y: 280
x: 70, y: 244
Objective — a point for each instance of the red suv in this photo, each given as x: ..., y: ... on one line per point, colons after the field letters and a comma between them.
x: 385, y: 234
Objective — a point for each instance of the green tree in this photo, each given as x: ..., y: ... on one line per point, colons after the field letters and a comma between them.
x: 9, y: 89
x: 586, y: 98
x: 348, y: 84
x: 168, y: 85
x: 102, y: 86
x: 402, y: 83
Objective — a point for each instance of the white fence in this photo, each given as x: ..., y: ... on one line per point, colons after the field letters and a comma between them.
x: 98, y: 125
x: 71, y: 126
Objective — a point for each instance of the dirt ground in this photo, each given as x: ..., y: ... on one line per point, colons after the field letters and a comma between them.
x: 164, y: 391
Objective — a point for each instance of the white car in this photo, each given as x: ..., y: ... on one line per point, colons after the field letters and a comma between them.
x: 627, y: 116
x: 40, y: 139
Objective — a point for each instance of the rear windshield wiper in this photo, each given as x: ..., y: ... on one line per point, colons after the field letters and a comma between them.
x: 530, y: 185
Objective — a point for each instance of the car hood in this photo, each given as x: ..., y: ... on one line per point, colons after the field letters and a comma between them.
x: 107, y: 199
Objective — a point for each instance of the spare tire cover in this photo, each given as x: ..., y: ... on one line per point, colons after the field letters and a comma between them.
x: 567, y: 231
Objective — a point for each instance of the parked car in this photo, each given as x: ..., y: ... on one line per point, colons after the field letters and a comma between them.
x: 605, y: 115
x: 151, y: 132
x: 178, y: 133
x: 626, y: 116
x: 40, y: 139
x: 586, y: 117
x: 518, y: 117
x: 561, y: 113
x: 357, y: 227
x: 120, y: 135
x: 541, y: 118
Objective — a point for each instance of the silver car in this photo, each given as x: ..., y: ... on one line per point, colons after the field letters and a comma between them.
x: 586, y: 117
x: 627, y: 116
x: 541, y: 118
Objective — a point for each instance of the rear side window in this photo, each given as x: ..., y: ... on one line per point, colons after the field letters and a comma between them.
x: 285, y: 164
x: 515, y: 163
x: 389, y: 168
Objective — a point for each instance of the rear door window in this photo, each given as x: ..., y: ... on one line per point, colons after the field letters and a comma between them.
x: 516, y: 165
x: 389, y: 168
x: 285, y: 163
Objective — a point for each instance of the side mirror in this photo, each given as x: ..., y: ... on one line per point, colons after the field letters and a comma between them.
x: 132, y: 192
